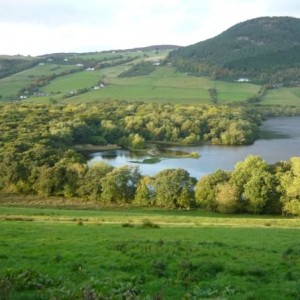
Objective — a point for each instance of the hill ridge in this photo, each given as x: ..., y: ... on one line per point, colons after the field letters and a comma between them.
x: 227, y: 55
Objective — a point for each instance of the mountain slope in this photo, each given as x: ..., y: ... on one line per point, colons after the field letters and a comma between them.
x: 264, y: 50
x: 13, y: 64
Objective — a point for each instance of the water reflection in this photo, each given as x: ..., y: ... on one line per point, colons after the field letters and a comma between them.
x: 280, y: 140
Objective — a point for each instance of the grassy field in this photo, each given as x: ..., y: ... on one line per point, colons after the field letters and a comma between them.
x: 107, y: 55
x: 167, y: 85
x: 283, y: 96
x: 161, y: 86
x: 48, y: 253
x: 234, y: 92
x: 9, y: 86
x: 72, y: 82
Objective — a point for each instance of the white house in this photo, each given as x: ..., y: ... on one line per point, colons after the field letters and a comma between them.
x: 243, y: 80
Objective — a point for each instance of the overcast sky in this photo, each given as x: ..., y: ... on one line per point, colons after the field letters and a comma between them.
x: 34, y: 27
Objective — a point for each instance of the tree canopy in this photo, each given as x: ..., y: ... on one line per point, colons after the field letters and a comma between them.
x: 37, y: 156
x: 263, y: 50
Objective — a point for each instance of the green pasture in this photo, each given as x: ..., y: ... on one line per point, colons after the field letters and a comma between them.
x: 88, y: 79
x: 66, y: 84
x: 75, y: 81
x: 283, y: 96
x: 100, y: 56
x: 228, y: 92
x: 94, y: 215
x: 10, y: 86
x: 80, y: 80
x: 167, y: 85
x: 109, y: 55
x: 144, y: 93
x: 163, y: 85
x: 140, y: 254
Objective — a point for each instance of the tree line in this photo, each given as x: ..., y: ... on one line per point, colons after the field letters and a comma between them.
x: 130, y: 124
x: 253, y: 187
x: 37, y: 156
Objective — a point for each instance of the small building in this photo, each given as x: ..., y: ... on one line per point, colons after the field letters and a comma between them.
x: 243, y: 80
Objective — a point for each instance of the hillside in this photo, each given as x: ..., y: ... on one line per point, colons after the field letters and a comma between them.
x: 13, y: 64
x: 134, y: 75
x: 139, y: 74
x: 264, y: 50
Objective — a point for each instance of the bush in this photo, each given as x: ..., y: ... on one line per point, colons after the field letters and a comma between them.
x: 292, y: 207
x: 149, y: 224
x: 127, y: 225
x: 159, y: 268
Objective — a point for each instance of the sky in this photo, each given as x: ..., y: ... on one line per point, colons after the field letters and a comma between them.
x: 36, y: 27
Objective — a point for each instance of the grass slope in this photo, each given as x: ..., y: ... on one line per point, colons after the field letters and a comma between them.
x: 71, y: 82
x: 229, y: 92
x: 161, y: 86
x: 45, y: 256
x: 283, y: 96
x: 167, y: 85
x: 9, y: 86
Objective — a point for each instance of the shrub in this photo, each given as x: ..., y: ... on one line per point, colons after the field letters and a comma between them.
x: 127, y: 225
x: 159, y: 268
x: 149, y: 224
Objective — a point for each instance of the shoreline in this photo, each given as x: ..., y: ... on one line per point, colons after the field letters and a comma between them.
x: 92, y: 148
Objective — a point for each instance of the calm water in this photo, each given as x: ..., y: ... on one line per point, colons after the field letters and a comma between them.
x: 280, y: 140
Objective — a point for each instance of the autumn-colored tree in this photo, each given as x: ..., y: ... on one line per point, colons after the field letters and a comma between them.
x: 227, y: 198
x: 206, y: 189
x: 144, y: 195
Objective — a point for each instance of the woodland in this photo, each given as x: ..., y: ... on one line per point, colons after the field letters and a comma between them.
x: 38, y: 156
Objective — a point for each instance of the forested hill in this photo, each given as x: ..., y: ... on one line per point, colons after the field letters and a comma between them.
x: 13, y: 64
x: 264, y: 50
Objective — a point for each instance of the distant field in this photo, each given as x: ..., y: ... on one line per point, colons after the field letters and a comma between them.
x: 114, y: 54
x: 161, y: 86
x: 146, y: 254
x: 167, y: 85
x: 235, y: 92
x: 9, y: 86
x: 72, y: 82
x: 283, y: 96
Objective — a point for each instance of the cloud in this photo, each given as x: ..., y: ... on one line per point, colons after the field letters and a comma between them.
x: 44, y: 26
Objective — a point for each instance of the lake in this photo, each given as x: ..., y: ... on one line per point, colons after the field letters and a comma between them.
x: 279, y: 140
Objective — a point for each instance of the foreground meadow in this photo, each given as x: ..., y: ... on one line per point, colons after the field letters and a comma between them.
x: 50, y: 253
